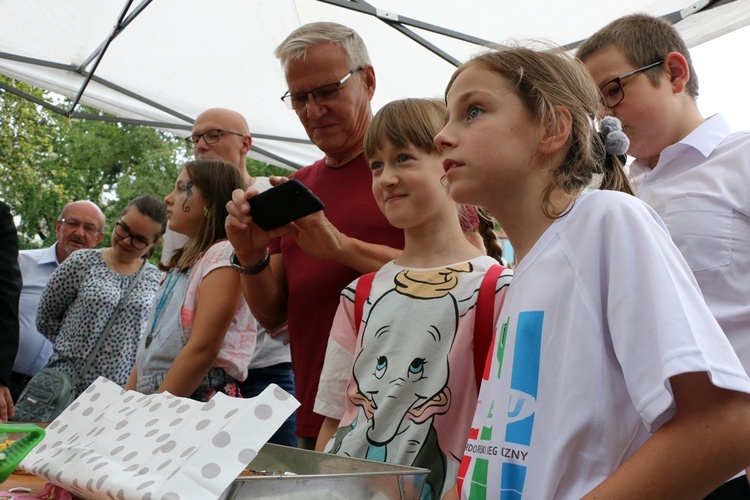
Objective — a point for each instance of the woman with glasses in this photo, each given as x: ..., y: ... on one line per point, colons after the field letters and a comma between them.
x: 86, y: 289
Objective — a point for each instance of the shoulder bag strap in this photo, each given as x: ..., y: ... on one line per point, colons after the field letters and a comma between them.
x: 483, y: 327
x: 364, y: 285
x: 110, y: 322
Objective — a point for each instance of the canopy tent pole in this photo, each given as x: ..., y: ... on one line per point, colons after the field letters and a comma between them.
x: 99, y: 80
x: 99, y: 56
x: 118, y: 29
x: 676, y: 16
x: 397, y: 22
x: 411, y: 28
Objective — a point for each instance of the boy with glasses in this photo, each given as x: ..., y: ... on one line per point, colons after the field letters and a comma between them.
x: 693, y: 172
x: 79, y: 226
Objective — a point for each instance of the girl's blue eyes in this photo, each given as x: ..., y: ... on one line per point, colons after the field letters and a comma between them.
x: 377, y: 165
x: 474, y: 111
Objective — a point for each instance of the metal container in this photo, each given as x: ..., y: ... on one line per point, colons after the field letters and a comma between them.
x: 322, y: 475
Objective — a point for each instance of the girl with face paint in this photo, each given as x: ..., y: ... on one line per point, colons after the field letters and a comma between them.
x: 200, y: 335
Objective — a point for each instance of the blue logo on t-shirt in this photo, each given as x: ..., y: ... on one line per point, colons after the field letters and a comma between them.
x: 524, y: 384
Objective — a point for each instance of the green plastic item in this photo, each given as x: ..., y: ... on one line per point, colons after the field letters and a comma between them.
x: 11, y: 456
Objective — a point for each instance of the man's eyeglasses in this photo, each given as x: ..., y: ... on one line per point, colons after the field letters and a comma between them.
x: 322, y: 94
x: 138, y: 242
x: 612, y: 90
x: 209, y: 137
x: 74, y: 224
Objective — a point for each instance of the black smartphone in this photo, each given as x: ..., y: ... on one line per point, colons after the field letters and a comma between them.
x: 283, y: 204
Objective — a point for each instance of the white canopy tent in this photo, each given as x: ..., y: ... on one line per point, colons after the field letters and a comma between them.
x: 161, y: 62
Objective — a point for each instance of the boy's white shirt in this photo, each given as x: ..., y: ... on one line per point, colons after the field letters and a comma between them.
x: 699, y: 187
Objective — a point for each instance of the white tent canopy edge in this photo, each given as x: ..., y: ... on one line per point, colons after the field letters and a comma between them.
x: 177, y: 57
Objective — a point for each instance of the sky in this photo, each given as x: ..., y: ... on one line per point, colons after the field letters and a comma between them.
x: 723, y: 75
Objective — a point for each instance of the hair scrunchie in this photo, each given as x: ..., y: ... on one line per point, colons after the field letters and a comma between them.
x: 615, y: 141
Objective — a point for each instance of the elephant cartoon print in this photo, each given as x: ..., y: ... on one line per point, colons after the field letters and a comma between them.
x: 400, y: 375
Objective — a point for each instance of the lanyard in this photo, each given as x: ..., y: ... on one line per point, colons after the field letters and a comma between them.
x: 163, y: 299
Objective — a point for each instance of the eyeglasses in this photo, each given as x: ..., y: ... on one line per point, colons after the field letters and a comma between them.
x: 138, y: 242
x: 209, y: 137
x: 322, y: 94
x: 612, y: 90
x: 74, y: 224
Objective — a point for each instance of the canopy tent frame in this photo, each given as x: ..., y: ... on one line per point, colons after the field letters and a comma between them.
x: 403, y: 24
x: 394, y: 20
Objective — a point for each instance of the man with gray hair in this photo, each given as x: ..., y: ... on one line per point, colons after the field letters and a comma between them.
x: 297, y: 272
x: 80, y: 225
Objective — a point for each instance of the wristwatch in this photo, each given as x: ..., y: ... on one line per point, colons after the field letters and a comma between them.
x: 255, y: 268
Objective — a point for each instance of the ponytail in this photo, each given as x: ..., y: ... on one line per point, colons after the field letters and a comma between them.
x: 479, y: 220
x: 615, y: 143
x: 486, y: 228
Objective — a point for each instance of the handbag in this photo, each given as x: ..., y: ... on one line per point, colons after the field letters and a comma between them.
x: 50, y: 391
x: 46, y: 395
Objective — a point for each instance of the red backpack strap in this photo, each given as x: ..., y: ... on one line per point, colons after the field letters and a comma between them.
x: 364, y: 285
x: 483, y: 321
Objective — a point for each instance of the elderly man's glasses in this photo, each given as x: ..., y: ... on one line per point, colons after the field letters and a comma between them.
x: 210, y: 137
x: 138, y: 242
x: 322, y: 94
x: 74, y: 224
x: 612, y: 90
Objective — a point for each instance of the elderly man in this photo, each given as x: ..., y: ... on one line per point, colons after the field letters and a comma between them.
x: 330, y: 84
x: 79, y: 226
x: 223, y: 133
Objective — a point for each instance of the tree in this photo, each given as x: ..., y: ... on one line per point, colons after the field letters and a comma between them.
x: 259, y: 169
x: 26, y: 139
x: 48, y: 160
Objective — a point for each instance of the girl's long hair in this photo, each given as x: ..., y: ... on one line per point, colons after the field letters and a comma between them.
x: 215, y: 179
x: 546, y: 80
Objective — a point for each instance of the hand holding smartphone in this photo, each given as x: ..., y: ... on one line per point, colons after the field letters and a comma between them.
x: 282, y: 204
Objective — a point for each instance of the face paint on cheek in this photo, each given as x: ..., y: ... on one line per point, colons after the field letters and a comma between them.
x: 188, y: 195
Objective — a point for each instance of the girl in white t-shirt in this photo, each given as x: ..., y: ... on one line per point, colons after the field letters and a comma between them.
x: 200, y: 335
x: 609, y: 376
x: 400, y: 385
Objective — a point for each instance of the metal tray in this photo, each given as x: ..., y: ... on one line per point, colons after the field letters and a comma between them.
x: 322, y: 475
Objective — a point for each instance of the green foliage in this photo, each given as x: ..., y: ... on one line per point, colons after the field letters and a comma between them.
x: 259, y: 169
x: 48, y: 160
x: 26, y: 140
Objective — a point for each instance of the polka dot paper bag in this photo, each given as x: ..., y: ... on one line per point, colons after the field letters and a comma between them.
x: 117, y: 444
